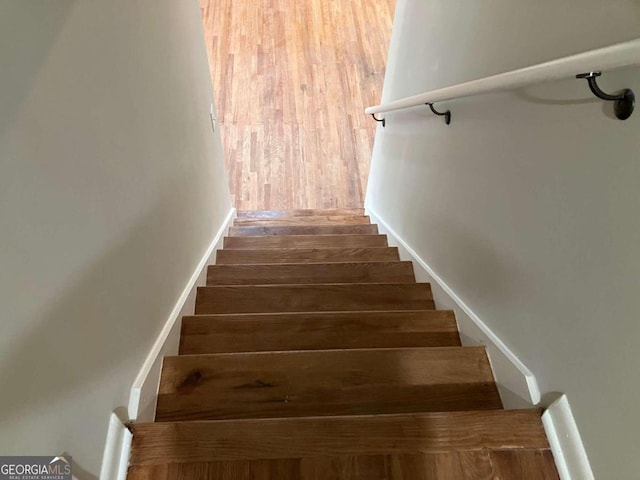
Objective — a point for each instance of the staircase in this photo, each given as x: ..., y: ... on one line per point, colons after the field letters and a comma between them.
x: 314, y: 354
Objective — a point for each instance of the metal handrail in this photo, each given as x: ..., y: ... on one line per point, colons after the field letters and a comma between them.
x: 593, y: 62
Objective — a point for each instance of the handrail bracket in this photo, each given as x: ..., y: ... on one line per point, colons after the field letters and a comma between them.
x: 624, y: 101
x: 379, y: 120
x: 446, y: 115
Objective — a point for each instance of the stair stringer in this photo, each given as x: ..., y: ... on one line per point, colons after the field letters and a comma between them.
x: 517, y: 385
x: 144, y: 391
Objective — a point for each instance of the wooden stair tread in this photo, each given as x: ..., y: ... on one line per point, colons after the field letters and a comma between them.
x: 302, y: 220
x: 317, y: 331
x: 309, y: 298
x: 299, y: 213
x: 307, y: 255
x: 511, y: 464
x: 304, y: 241
x: 205, y: 441
x: 305, y: 230
x: 529, y: 464
x: 325, y: 382
x: 310, y: 273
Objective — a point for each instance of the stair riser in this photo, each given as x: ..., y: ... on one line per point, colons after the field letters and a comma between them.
x: 303, y: 220
x: 358, y: 401
x: 321, y: 298
x: 346, y: 272
x: 307, y: 255
x: 229, y: 343
x: 305, y: 241
x: 306, y: 230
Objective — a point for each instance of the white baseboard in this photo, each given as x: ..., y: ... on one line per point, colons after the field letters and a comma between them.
x: 144, y: 391
x: 564, y: 438
x: 115, y: 458
x: 517, y: 384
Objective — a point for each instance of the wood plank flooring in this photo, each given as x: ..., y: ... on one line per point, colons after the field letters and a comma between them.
x: 292, y: 79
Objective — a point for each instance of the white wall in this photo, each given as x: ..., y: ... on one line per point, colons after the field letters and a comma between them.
x: 527, y: 204
x: 112, y: 186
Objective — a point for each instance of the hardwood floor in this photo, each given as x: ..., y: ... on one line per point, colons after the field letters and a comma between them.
x: 291, y: 80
